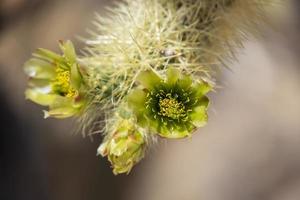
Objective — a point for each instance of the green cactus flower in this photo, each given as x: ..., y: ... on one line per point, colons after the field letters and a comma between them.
x: 125, y: 147
x: 55, y: 81
x: 174, y: 107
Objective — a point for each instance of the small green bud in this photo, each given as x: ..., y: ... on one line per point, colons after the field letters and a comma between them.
x: 124, y: 147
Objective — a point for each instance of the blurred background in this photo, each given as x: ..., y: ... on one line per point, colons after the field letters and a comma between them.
x: 249, y: 151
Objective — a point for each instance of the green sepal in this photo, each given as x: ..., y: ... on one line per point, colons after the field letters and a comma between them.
x: 136, y: 101
x: 75, y: 78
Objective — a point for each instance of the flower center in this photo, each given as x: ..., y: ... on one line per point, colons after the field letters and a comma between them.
x: 170, y: 107
x: 62, y: 85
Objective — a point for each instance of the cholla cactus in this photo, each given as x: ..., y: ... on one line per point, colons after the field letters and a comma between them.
x: 156, y: 59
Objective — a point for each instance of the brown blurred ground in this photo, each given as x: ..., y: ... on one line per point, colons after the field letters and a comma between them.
x: 249, y: 151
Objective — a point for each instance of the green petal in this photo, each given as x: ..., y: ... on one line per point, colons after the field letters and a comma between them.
x: 40, y: 86
x: 172, y: 75
x: 39, y: 83
x: 61, y: 101
x: 63, y: 112
x: 39, y: 69
x: 69, y: 51
x: 48, y: 55
x: 185, y: 82
x: 199, y: 116
x: 203, y: 88
x: 204, y: 101
x: 148, y: 79
x: 40, y: 98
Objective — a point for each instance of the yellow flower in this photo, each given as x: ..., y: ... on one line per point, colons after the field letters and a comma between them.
x: 173, y: 107
x: 55, y: 81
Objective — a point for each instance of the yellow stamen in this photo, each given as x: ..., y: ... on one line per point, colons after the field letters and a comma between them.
x: 170, y: 107
x: 62, y: 85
